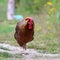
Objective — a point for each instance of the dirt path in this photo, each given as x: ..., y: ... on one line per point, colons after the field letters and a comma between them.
x: 29, y: 54
x: 40, y: 58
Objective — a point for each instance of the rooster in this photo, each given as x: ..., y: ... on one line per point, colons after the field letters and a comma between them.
x: 24, y: 32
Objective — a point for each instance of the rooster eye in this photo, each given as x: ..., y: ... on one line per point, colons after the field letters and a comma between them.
x: 28, y: 22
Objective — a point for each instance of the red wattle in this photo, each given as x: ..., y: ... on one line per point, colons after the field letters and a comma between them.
x: 30, y: 27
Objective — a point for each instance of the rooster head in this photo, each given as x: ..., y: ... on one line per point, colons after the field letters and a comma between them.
x: 30, y: 22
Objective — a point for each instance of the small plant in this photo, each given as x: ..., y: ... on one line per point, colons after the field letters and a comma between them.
x: 6, y: 55
x: 4, y: 48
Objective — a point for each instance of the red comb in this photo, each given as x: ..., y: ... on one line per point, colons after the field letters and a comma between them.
x: 28, y: 18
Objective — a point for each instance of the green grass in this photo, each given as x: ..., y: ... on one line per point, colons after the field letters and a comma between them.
x: 47, y: 30
x: 1, y: 58
x: 5, y: 55
x: 3, y: 9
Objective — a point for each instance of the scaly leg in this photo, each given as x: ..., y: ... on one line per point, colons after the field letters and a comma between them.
x: 24, y: 46
x: 25, y: 49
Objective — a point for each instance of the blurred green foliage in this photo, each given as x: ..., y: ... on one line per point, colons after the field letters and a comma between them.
x: 32, y: 6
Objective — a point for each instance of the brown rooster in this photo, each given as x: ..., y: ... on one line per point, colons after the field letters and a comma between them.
x: 24, y: 31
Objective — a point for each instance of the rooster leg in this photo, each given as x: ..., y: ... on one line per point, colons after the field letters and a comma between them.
x: 24, y: 46
x: 24, y: 49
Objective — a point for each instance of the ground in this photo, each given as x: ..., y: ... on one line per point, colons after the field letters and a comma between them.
x: 17, y: 53
x: 40, y: 58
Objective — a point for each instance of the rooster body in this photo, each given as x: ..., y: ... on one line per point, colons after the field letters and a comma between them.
x: 24, y: 32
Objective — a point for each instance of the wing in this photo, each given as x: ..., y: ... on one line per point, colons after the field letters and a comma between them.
x: 17, y: 30
x: 19, y: 27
